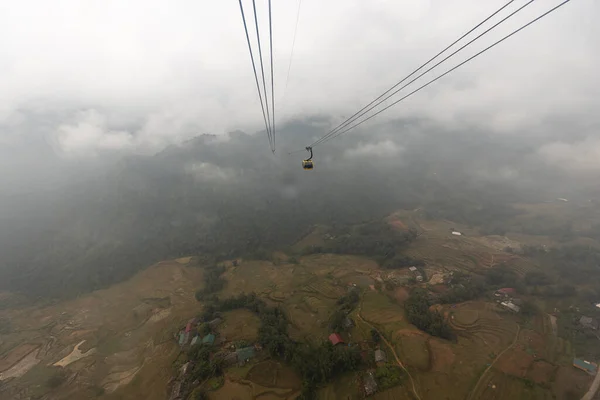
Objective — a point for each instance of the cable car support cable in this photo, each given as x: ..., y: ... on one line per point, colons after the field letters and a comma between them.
x: 255, y: 73
x: 272, y: 79
x: 262, y: 69
x: 450, y: 70
x: 379, y: 99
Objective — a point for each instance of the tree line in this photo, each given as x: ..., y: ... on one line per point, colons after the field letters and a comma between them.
x: 418, y: 314
x: 377, y: 240
x: 213, y: 282
x: 345, y: 305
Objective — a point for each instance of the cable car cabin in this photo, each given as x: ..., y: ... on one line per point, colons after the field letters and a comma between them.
x: 307, y: 164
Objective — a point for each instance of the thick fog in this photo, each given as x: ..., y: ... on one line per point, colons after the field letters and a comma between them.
x: 132, y: 131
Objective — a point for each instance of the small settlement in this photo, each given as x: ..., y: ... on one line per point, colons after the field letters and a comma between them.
x: 196, y: 332
x: 506, y: 298
x: 368, y: 382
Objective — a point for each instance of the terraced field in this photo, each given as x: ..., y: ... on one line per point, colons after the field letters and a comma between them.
x: 478, y: 321
x: 324, y: 288
x: 499, y: 386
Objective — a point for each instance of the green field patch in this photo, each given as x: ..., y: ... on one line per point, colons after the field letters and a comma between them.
x: 346, y: 387
x: 414, y: 351
x: 377, y: 308
x: 274, y: 374
x: 388, y: 376
x: 239, y: 325
x: 465, y: 317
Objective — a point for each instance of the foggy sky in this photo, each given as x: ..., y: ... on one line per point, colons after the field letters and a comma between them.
x: 87, y: 80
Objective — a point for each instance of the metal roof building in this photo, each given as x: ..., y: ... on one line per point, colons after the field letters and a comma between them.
x: 380, y: 356
x: 335, y: 338
x: 586, y: 366
x: 245, y: 353
x: 209, y: 339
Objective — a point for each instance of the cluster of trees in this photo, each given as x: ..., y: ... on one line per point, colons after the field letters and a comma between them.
x: 483, y: 211
x: 56, y: 378
x: 389, y: 376
x: 468, y: 290
x: 377, y: 240
x: 316, y: 363
x: 321, y: 363
x: 418, y: 313
x: 573, y: 264
x: 345, y: 304
x: 349, y: 301
x: 468, y: 287
x: 203, y: 366
x: 375, y: 337
x: 213, y: 282
x: 584, y: 341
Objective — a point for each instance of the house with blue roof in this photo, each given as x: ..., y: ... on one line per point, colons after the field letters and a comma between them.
x: 245, y: 353
x: 587, y: 366
x: 209, y: 339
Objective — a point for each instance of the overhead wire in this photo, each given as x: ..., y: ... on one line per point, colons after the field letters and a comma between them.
x: 262, y: 69
x: 272, y: 79
x: 255, y: 73
x: 287, y: 79
x: 452, y: 69
x: 362, y: 111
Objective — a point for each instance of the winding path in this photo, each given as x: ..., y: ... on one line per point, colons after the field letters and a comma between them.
x: 391, y: 348
x: 494, y: 362
x: 593, y: 388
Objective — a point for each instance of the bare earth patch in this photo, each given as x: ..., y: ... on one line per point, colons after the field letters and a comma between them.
x: 162, y: 314
x: 21, y: 368
x: 117, y: 379
x: 75, y: 355
x: 442, y: 355
x: 401, y: 294
x: 15, y: 355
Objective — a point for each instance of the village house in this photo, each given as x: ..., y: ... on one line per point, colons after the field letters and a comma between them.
x: 215, y: 322
x: 369, y: 383
x: 335, y: 339
x: 586, y: 366
x: 245, y: 354
x: 588, y: 323
x: 505, y: 292
x: 348, y: 323
x: 509, y: 305
x: 380, y: 356
x: 209, y: 339
x: 230, y: 359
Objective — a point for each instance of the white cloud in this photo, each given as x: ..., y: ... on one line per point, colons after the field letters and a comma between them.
x: 173, y: 70
x: 582, y: 156
x: 90, y: 133
x: 385, y: 148
x: 203, y: 172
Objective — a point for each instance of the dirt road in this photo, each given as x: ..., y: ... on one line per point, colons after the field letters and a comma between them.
x: 494, y: 362
x: 593, y: 388
x: 391, y: 348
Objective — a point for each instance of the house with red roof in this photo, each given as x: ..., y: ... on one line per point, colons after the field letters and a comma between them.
x: 506, y: 292
x: 335, y: 338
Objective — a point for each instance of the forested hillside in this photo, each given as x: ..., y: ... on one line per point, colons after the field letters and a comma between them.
x: 222, y: 199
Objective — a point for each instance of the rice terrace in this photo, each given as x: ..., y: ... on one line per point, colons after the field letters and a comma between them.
x: 169, y: 321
